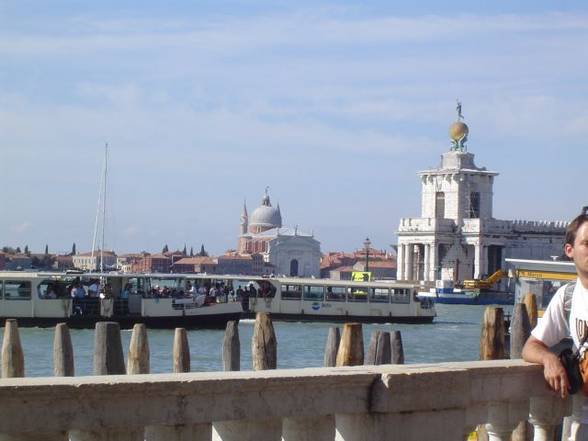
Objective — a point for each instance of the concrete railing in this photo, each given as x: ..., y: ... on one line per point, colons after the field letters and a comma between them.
x: 368, y: 403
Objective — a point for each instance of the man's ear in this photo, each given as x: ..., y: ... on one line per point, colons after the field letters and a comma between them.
x: 569, y: 250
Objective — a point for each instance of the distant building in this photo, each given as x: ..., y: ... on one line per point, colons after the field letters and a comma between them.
x: 457, y: 237
x: 340, y: 266
x: 87, y: 262
x: 199, y: 264
x: 290, y: 251
x: 16, y: 262
x: 126, y: 262
x: 151, y: 263
x: 63, y: 262
x: 2, y: 260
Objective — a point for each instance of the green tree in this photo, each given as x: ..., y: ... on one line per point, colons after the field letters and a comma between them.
x: 73, y: 249
x: 191, y: 251
x: 27, y: 251
x: 185, y: 251
x: 46, y: 249
x: 18, y: 251
x: 165, y: 249
x: 202, y: 252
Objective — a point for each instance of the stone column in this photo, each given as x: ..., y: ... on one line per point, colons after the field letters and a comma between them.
x: 409, y: 256
x: 434, y: 264
x: 427, y: 263
x: 477, y: 261
x: 320, y: 428
x: 400, y: 262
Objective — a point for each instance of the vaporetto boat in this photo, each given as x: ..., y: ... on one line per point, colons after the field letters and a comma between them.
x: 200, y: 300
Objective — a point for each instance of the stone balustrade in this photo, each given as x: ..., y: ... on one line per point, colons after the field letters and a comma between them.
x: 368, y: 403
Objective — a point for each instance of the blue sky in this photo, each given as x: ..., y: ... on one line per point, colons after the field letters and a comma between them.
x: 334, y: 105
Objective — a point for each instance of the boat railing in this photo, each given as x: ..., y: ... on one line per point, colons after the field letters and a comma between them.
x: 410, y: 402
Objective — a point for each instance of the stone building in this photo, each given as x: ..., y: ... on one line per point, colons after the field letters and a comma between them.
x: 290, y: 251
x: 456, y: 237
x: 89, y: 262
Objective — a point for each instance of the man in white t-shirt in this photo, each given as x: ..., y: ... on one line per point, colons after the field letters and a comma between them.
x: 554, y: 325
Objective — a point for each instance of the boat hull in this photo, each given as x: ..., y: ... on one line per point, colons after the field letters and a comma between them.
x: 344, y: 318
x: 212, y: 321
x: 485, y: 298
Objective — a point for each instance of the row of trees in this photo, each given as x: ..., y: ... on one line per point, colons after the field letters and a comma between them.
x: 27, y: 251
x: 202, y: 253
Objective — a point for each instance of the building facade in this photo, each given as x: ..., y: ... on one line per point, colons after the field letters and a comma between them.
x: 89, y: 262
x: 289, y: 251
x: 456, y: 237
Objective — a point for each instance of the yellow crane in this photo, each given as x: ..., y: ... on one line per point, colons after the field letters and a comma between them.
x: 484, y: 283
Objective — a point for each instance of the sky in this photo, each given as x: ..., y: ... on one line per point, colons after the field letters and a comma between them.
x: 335, y: 105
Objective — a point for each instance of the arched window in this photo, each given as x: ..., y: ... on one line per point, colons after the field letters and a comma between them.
x: 294, y: 267
x: 439, y: 205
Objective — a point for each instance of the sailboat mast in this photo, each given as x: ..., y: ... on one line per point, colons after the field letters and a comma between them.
x: 95, y: 236
x: 104, y: 206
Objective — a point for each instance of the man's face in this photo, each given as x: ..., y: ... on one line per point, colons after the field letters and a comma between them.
x: 579, y: 252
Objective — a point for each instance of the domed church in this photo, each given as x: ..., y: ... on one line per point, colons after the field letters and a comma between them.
x: 290, y: 251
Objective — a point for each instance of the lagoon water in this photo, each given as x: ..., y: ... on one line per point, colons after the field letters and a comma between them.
x: 453, y: 336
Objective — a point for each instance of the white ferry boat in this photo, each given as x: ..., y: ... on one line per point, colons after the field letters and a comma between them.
x: 200, y: 300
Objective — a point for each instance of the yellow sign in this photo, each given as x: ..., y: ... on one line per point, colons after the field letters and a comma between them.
x: 359, y: 276
x: 547, y: 275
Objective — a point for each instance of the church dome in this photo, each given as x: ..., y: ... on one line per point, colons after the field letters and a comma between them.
x: 458, y: 130
x: 265, y: 216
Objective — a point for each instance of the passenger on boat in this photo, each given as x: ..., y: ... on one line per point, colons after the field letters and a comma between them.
x: 78, y: 291
x: 93, y: 289
x: 50, y: 292
x: 126, y: 291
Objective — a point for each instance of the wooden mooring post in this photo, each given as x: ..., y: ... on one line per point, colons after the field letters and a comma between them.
x: 530, y: 301
x: 331, y: 347
x: 12, y: 355
x: 264, y: 355
x: 379, y: 349
x: 232, y: 347
x: 181, y: 352
x: 138, y: 358
x: 350, y: 351
x: 63, y: 355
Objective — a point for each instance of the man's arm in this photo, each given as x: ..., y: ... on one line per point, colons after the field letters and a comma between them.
x: 535, y: 351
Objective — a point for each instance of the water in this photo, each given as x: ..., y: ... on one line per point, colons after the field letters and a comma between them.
x: 453, y: 336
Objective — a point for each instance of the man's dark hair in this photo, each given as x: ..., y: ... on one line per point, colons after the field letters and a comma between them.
x: 575, y: 225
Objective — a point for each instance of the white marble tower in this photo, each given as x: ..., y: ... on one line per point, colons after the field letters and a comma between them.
x: 456, y: 237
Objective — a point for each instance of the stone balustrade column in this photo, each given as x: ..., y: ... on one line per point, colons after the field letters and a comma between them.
x: 413, y: 426
x: 269, y: 429
x: 546, y: 413
x: 571, y: 424
x: 320, y: 428
x: 503, y: 418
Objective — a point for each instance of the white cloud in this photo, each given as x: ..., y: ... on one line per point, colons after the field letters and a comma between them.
x: 23, y: 227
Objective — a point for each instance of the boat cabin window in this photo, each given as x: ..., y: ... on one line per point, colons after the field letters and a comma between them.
x: 314, y: 293
x: 52, y: 289
x: 357, y: 294
x: 165, y: 287
x: 17, y: 290
x: 400, y: 295
x: 266, y: 289
x: 379, y: 295
x: 336, y: 293
x: 291, y: 292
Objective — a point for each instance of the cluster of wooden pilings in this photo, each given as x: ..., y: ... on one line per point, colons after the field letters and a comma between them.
x: 493, y: 344
x: 344, y: 348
